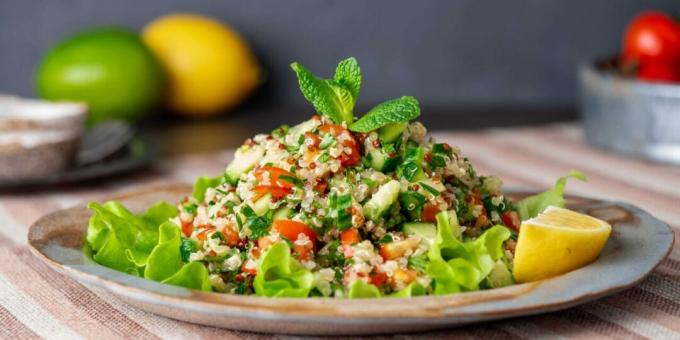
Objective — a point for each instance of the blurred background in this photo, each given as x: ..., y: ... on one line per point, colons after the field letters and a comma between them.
x: 472, y: 64
x: 514, y: 61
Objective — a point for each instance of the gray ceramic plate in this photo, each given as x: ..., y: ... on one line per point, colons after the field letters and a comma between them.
x: 639, y: 242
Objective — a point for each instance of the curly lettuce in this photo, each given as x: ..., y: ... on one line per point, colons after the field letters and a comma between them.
x: 457, y: 265
x: 531, y: 206
x: 145, y: 245
x: 280, y: 275
x: 122, y: 240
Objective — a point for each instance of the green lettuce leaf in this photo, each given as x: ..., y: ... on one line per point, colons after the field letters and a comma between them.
x: 414, y: 289
x: 122, y: 240
x: 348, y: 74
x: 392, y: 111
x: 329, y: 97
x: 280, y: 275
x: 457, y: 265
x: 192, y: 275
x: 165, y: 259
x: 531, y: 206
x: 362, y: 290
x: 203, y: 183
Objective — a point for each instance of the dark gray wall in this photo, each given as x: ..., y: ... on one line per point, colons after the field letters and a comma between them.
x: 447, y: 53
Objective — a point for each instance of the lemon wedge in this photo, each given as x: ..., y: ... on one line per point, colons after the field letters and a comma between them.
x: 557, y: 241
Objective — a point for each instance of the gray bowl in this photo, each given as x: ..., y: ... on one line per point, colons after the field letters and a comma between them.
x: 630, y: 117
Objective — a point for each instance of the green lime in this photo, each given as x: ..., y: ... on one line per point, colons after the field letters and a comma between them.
x: 110, y: 69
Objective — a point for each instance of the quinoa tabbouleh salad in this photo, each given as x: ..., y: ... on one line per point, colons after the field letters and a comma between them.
x: 335, y: 206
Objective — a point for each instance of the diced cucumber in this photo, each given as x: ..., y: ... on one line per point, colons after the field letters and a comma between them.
x: 245, y: 159
x: 390, y: 132
x: 453, y: 222
x: 381, y: 200
x: 261, y: 206
x: 298, y: 130
x: 282, y: 214
x: 381, y: 161
x: 500, y: 275
x: 436, y: 186
x: 426, y: 231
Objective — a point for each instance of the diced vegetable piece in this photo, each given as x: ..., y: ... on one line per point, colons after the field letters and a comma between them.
x: 428, y: 187
x: 282, y: 213
x: 381, y: 161
x: 380, y: 202
x: 426, y: 231
x: 276, y: 177
x: 391, y: 132
x: 291, y: 230
x: 350, y: 236
x: 394, y: 250
x: 298, y: 130
x: 245, y: 159
x: 261, y: 206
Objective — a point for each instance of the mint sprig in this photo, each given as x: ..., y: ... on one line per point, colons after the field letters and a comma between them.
x: 335, y: 98
x: 330, y: 97
x: 348, y: 74
x: 392, y: 111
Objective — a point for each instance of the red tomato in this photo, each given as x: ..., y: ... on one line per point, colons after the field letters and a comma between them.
x: 350, y: 236
x: 277, y: 192
x: 321, y: 187
x: 429, y: 214
x: 187, y: 229
x: 275, y: 176
x: 346, y: 160
x: 511, y: 220
x: 377, y: 278
x: 659, y: 72
x: 231, y: 235
x: 652, y: 36
x: 291, y: 229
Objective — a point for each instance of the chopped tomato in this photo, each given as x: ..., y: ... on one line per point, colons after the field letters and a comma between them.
x: 430, y: 212
x: 231, y: 235
x: 275, y: 174
x: 202, y: 235
x: 277, y: 192
x: 394, y: 250
x: 187, y: 229
x: 346, y: 160
x: 404, y: 276
x: 377, y: 278
x: 251, y: 271
x: 321, y: 187
x: 291, y: 229
x: 304, y: 252
x: 350, y: 236
x: 511, y: 220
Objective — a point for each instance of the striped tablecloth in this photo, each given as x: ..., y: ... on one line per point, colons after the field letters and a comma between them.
x: 37, y: 302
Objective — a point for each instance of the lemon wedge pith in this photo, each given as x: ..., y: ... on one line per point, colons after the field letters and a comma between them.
x: 557, y: 241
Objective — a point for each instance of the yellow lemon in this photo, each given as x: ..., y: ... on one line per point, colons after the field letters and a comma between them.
x: 210, y: 67
x: 557, y: 241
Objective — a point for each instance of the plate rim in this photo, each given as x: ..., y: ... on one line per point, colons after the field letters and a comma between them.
x: 224, y: 303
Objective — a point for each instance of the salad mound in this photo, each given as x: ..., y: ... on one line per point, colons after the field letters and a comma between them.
x: 334, y: 206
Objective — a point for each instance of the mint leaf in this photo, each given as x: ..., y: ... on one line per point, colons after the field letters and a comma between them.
x: 328, y: 97
x: 348, y: 74
x: 392, y: 111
